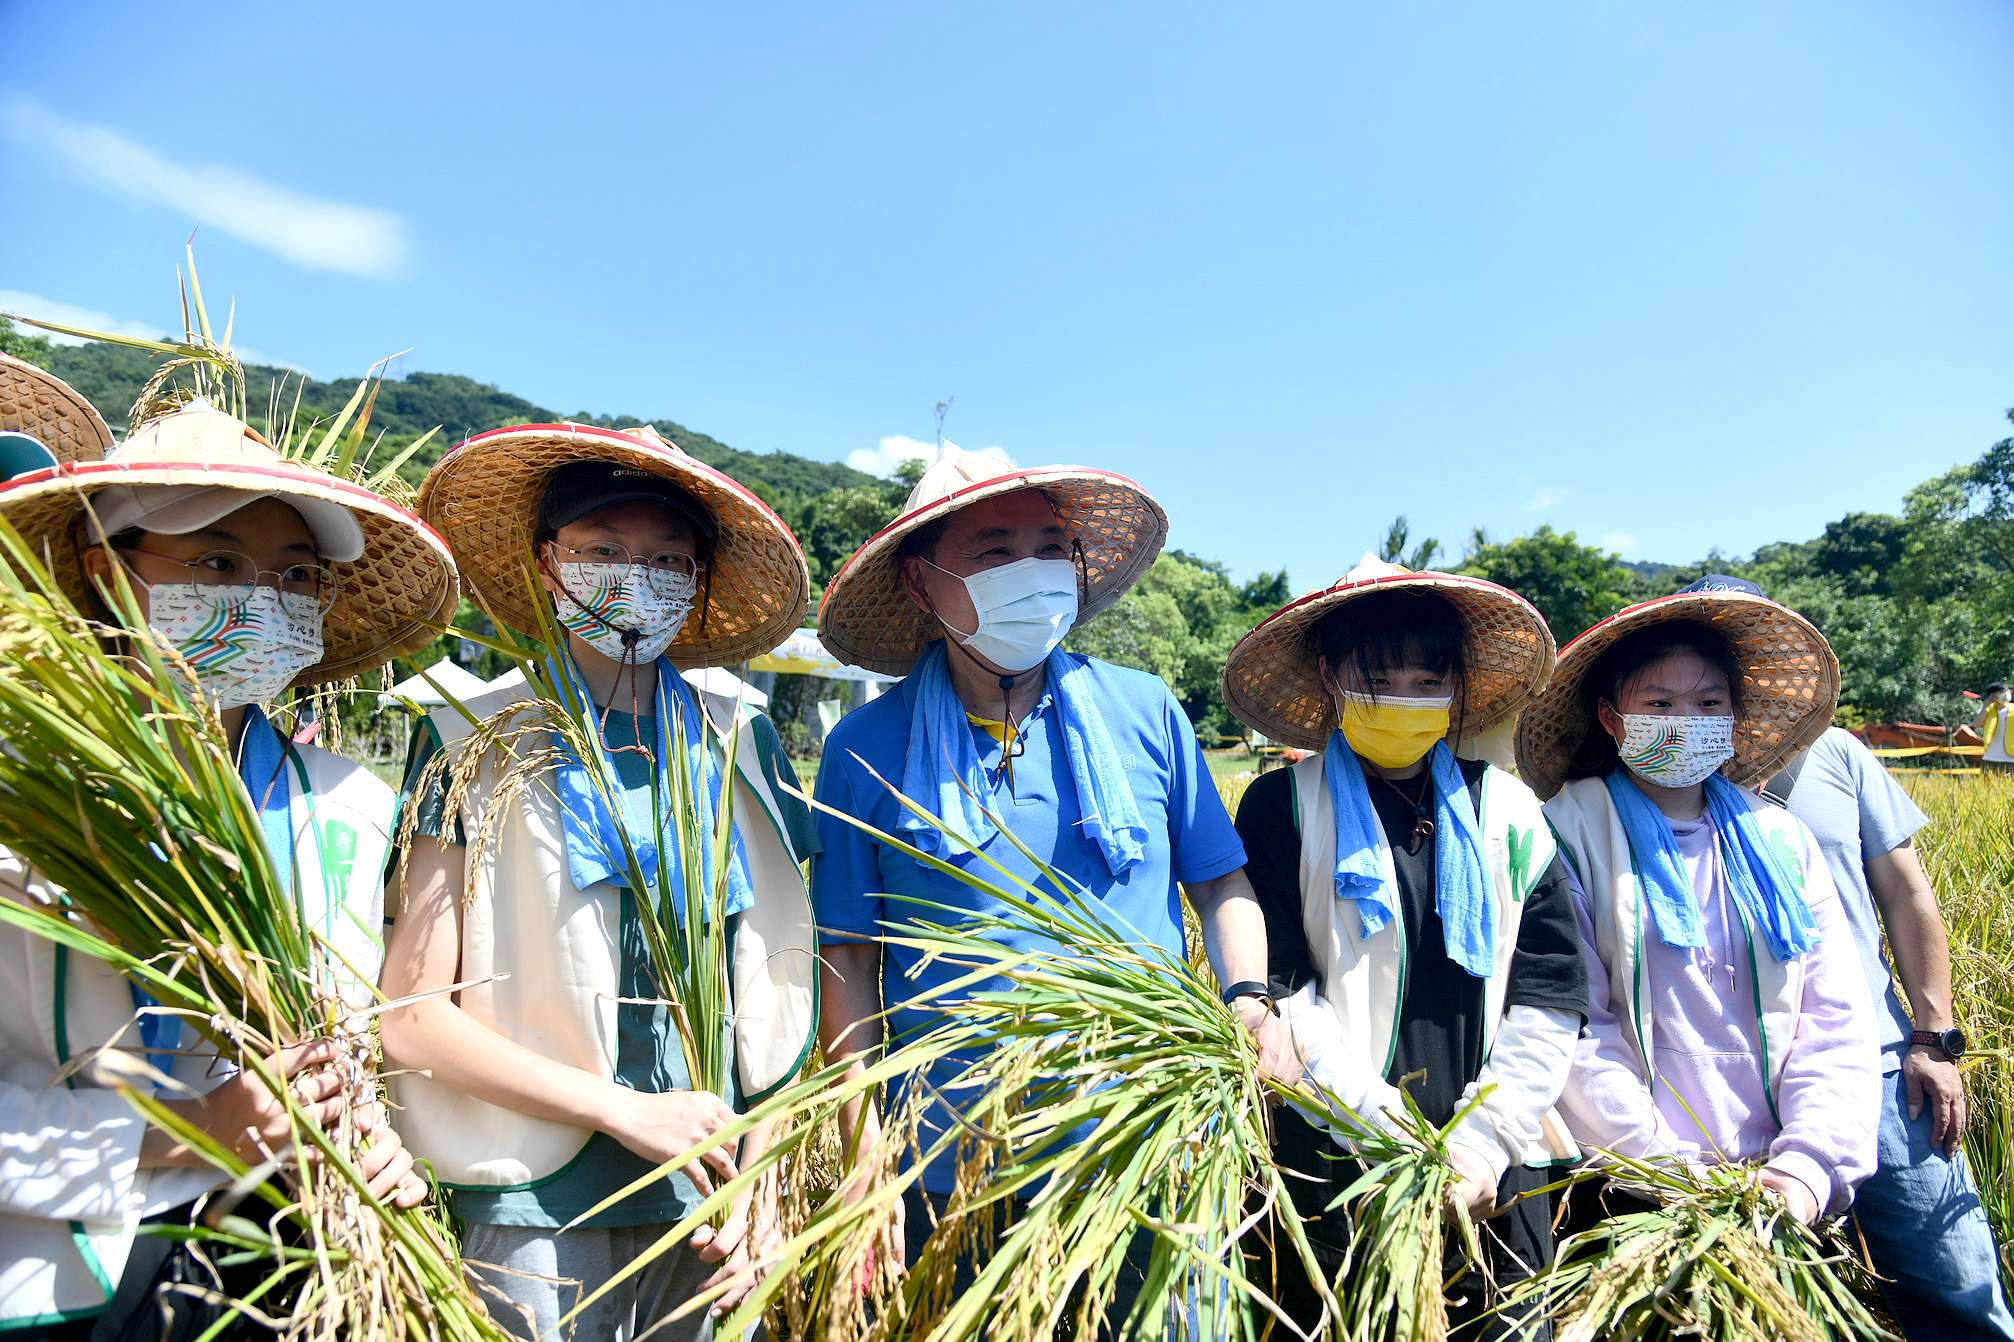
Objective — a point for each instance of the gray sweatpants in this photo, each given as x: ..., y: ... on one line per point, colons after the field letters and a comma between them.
x: 546, y: 1272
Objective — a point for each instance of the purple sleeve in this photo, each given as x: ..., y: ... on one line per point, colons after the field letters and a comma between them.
x: 1829, y: 1095
x: 1606, y: 1103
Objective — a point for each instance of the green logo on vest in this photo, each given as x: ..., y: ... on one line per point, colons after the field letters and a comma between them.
x: 338, y: 853
x: 1786, y: 853
x: 1520, y: 843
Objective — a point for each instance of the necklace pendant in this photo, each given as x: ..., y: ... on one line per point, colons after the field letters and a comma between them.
x: 1423, y: 829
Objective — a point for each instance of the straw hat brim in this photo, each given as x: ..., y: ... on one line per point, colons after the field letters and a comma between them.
x: 1272, y: 680
x: 389, y: 602
x: 36, y: 402
x: 484, y: 498
x: 1789, y: 689
x: 867, y: 619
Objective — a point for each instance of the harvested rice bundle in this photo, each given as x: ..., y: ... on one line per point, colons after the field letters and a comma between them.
x: 1716, y: 1257
x: 125, y: 797
x: 1391, y: 1282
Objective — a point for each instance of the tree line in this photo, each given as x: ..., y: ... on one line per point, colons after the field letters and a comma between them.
x: 1918, y: 603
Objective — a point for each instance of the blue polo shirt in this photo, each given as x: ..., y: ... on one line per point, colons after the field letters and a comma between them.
x: 1171, y: 785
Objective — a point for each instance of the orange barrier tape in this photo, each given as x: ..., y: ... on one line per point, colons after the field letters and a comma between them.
x: 1911, y: 752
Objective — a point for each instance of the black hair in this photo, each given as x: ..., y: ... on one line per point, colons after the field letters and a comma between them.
x: 1383, y: 631
x: 922, y: 542
x: 1617, y: 670
x: 1997, y: 687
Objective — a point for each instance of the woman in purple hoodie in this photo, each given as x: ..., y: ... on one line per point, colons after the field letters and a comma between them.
x: 1729, y: 1019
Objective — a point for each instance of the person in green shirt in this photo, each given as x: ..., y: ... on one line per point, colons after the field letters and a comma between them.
x: 555, y: 1075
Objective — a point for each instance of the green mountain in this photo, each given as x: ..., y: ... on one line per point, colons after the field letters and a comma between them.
x: 111, y: 376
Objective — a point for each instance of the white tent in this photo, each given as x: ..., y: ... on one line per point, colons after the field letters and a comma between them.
x: 724, y: 684
x: 802, y: 654
x: 714, y: 680
x: 416, y: 691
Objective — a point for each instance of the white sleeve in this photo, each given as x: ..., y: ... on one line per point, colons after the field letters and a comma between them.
x: 1526, y: 1071
x: 68, y: 1155
x: 1313, y: 1025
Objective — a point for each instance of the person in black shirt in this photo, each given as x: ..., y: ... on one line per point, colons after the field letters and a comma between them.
x: 1418, y: 919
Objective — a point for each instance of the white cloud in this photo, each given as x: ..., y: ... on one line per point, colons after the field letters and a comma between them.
x: 897, y: 448
x: 1544, y: 497
x: 69, y: 314
x: 319, y: 234
x: 23, y: 304
x: 1623, y: 543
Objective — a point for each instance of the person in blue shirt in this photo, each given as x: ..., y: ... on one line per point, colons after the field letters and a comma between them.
x: 1093, y: 767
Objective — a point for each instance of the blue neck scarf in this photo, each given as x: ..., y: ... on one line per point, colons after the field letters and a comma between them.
x: 594, y: 850
x: 1762, y: 887
x: 941, y: 769
x: 1461, y: 883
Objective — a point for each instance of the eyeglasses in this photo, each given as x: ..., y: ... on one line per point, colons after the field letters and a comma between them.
x: 222, y: 569
x: 617, y: 556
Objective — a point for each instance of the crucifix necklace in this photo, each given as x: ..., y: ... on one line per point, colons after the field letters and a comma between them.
x: 1423, y: 820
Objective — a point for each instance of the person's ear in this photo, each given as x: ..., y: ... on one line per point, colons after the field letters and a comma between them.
x: 1611, y: 721
x: 542, y: 560
x: 1326, y: 675
x: 912, y: 582
x: 97, y: 564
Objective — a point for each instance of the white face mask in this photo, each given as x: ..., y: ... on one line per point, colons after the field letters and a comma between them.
x: 1024, y: 608
x: 1674, y: 751
x: 625, y: 612
x: 245, y: 644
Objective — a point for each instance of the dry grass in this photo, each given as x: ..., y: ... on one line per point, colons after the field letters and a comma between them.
x: 1968, y: 851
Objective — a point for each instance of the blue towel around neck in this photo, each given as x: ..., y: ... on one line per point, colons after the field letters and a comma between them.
x: 1461, y: 882
x: 1770, y: 900
x: 942, y: 773
x: 594, y: 850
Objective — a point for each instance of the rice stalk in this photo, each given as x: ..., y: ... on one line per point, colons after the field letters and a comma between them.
x: 1718, y: 1257
x: 1391, y: 1282
x: 123, y: 795
x: 1967, y: 850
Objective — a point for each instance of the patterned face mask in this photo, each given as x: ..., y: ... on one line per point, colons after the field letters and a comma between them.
x: 625, y: 612
x: 244, y: 643
x: 1673, y: 752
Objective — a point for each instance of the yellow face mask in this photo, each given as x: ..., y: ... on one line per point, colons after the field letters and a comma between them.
x: 1392, y: 733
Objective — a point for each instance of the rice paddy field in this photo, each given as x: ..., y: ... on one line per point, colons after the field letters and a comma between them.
x: 1968, y: 851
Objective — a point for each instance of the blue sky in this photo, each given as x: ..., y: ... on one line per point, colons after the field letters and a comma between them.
x: 1681, y: 277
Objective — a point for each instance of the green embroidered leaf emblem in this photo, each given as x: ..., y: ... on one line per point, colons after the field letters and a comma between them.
x: 1520, y: 843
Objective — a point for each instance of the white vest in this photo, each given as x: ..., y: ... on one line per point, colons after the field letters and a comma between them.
x: 67, y: 1006
x: 1590, y: 829
x: 550, y: 953
x: 1363, y: 978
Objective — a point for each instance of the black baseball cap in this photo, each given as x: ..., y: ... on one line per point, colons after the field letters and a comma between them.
x: 581, y: 487
x: 1723, y: 582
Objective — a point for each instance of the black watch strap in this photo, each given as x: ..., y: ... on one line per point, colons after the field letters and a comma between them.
x: 1249, y: 988
x: 1951, y: 1043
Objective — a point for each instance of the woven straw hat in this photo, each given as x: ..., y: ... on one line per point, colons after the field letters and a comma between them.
x: 867, y: 618
x: 484, y: 497
x: 1789, y: 685
x: 45, y: 407
x: 388, y: 602
x: 1273, y: 682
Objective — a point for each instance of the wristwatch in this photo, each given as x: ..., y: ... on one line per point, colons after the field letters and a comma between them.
x: 1951, y: 1043
x: 1251, y: 988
